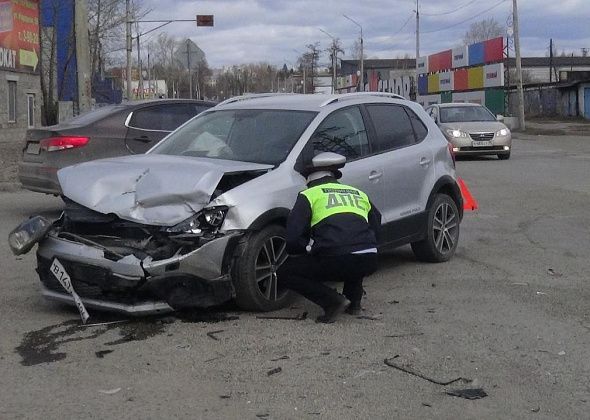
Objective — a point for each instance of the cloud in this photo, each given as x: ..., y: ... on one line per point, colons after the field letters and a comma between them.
x: 270, y: 30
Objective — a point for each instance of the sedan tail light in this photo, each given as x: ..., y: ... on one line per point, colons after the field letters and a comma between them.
x: 54, y: 144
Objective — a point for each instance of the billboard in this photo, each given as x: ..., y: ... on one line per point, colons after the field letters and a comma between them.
x: 445, y: 81
x: 460, y: 57
x: 493, y: 50
x: 19, y: 35
x: 422, y: 65
x: 441, y: 61
x: 493, y: 75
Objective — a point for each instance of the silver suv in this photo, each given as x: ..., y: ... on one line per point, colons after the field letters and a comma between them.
x: 200, y: 219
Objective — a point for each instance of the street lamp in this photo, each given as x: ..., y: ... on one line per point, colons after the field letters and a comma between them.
x: 334, y: 57
x: 362, y: 53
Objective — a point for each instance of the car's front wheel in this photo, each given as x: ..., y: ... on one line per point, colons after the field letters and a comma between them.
x: 504, y: 156
x: 442, y: 236
x: 256, y: 282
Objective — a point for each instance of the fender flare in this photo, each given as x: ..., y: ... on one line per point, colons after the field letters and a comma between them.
x: 449, y: 186
x: 277, y: 215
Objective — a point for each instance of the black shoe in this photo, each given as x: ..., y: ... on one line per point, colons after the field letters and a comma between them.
x: 332, y: 312
x: 354, y: 308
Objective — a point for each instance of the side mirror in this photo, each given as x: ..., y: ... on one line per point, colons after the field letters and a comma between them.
x: 499, y: 117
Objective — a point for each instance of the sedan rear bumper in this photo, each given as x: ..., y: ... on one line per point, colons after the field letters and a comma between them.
x: 39, y: 178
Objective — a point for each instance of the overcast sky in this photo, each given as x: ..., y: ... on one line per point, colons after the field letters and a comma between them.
x: 269, y: 30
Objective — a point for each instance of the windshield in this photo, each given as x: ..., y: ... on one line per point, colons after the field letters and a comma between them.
x: 465, y: 114
x: 260, y: 136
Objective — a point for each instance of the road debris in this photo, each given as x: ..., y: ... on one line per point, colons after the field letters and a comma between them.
x: 301, y: 317
x: 211, y: 334
x: 274, y: 371
x: 468, y: 393
x: 370, y: 317
x: 536, y: 409
x: 403, y: 335
x: 279, y: 358
x: 393, y: 302
x: 426, y: 404
x: 183, y: 346
x: 561, y: 353
x: 519, y: 284
x: 553, y: 273
x: 389, y: 362
x: 542, y: 293
x: 100, y: 324
x: 101, y: 353
x: 109, y: 391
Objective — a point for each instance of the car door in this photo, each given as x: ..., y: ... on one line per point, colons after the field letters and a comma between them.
x: 407, y: 162
x: 148, y: 125
x: 344, y: 132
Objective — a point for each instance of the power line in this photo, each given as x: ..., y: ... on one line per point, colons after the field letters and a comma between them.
x: 450, y: 11
x: 466, y: 20
x: 404, y: 25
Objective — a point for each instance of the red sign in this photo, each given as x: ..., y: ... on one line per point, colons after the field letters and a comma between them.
x: 204, y: 20
x: 441, y: 61
x: 19, y: 35
x: 461, y: 79
x: 494, y: 50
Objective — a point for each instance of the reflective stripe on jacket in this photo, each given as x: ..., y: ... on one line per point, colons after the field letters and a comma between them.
x: 329, y: 199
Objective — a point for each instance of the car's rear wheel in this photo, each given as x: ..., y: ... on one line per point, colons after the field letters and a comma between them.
x: 442, y: 236
x: 256, y: 282
x: 504, y: 156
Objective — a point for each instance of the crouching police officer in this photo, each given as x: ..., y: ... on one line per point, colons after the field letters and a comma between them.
x: 331, y: 236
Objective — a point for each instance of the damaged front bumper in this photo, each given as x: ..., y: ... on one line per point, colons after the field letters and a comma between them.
x: 197, y: 279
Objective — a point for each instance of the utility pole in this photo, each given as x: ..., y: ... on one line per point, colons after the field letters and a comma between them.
x: 333, y: 58
x: 82, y: 56
x: 550, y: 60
x: 188, y: 62
x: 362, y: 75
x: 129, y: 46
x: 417, y: 29
x: 521, y: 121
x: 140, y: 81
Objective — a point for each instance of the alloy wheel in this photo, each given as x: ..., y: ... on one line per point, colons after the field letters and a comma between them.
x: 270, y: 257
x: 445, y: 228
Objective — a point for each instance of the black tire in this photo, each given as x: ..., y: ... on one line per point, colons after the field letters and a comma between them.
x: 504, y: 156
x: 443, y: 231
x: 255, y: 290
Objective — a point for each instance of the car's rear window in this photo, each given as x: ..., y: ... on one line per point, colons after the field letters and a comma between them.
x: 95, y: 115
x: 256, y: 135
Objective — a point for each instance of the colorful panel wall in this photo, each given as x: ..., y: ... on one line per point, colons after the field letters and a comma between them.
x: 493, y: 75
x: 441, y: 61
x: 446, y: 81
x: 461, y: 79
x: 422, y: 65
x: 433, y: 83
x: 460, y: 57
x: 495, y: 100
x: 476, y: 54
x: 423, y: 85
x: 475, y: 78
x: 494, y: 50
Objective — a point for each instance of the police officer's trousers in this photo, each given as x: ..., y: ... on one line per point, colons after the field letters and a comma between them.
x: 305, y: 275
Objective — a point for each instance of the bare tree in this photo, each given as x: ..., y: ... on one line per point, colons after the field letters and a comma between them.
x: 309, y: 61
x: 483, y: 30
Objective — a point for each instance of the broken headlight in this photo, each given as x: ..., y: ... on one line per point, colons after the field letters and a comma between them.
x: 206, y: 221
x: 27, y: 234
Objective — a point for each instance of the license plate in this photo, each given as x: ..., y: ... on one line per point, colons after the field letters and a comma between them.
x: 483, y: 143
x: 60, y: 273
x: 33, y: 148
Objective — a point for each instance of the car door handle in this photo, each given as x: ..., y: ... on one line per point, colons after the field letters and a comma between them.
x: 425, y: 161
x: 375, y: 175
x: 143, y: 139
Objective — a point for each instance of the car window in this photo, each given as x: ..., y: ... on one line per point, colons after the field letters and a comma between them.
x: 342, y: 132
x: 166, y: 117
x: 248, y: 135
x: 420, y: 129
x: 392, y: 126
x: 95, y: 115
x: 465, y: 114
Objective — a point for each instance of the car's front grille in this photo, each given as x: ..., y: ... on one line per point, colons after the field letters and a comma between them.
x: 481, y: 136
x: 481, y: 149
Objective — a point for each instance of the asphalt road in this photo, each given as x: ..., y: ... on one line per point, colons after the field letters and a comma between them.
x: 511, y: 312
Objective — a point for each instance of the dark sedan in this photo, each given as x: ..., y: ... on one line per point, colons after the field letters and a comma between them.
x: 117, y: 130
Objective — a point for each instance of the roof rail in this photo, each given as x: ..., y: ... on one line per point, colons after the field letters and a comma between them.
x: 353, y: 95
x: 251, y: 96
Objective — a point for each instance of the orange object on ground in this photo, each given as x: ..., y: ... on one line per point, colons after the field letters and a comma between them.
x: 469, y: 202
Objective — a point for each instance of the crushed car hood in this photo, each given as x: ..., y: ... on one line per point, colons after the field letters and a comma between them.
x: 150, y: 189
